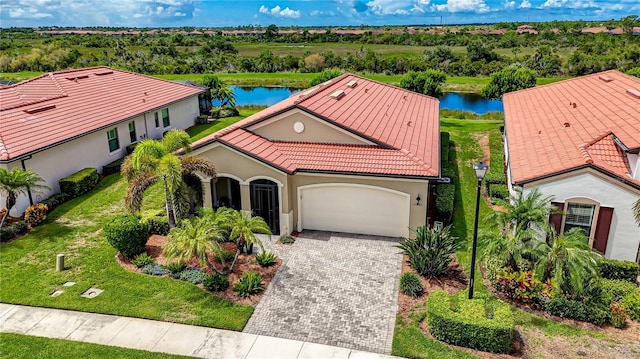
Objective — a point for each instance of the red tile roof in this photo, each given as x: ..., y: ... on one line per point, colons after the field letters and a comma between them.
x: 573, y: 124
x: 404, y: 125
x: 55, y: 107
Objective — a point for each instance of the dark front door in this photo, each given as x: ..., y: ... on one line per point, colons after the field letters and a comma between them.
x: 264, y: 203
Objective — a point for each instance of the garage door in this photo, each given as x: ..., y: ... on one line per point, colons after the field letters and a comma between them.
x: 354, y: 208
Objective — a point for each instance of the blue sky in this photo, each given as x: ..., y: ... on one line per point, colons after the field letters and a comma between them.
x: 219, y: 13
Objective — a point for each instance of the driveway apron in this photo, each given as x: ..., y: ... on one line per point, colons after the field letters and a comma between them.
x: 337, y: 289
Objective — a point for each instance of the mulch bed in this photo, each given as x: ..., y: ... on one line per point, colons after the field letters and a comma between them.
x: 245, y: 263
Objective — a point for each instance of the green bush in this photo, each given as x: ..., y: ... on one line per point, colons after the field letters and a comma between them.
x: 411, y: 285
x: 36, y: 214
x: 430, y: 251
x: 495, y: 178
x: 498, y: 191
x: 176, y: 267
x: 202, y: 120
x: 631, y: 304
x: 112, y: 167
x: 444, y: 147
x: 80, y: 182
x: 466, y: 323
x: 521, y: 286
x: 458, y: 114
x: 142, y: 260
x: 250, y: 283
x: 222, y: 112
x: 266, y: 259
x: 131, y: 147
x: 216, y: 282
x: 613, y: 290
x: 56, y: 200
x: 618, y: 315
x: 445, y: 199
x: 7, y: 233
x: 595, y: 313
x: 127, y: 234
x: 158, y: 225
x: 287, y: 239
x: 617, y: 269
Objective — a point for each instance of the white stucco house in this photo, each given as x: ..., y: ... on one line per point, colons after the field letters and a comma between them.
x: 349, y: 155
x: 61, y: 122
x: 578, y: 140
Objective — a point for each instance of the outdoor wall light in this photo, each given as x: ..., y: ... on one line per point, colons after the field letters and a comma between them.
x: 418, y: 199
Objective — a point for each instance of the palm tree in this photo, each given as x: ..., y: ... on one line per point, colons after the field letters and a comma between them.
x: 243, y: 226
x: 154, y: 160
x: 636, y: 211
x: 522, y: 211
x: 567, y: 260
x: 219, y: 90
x: 18, y: 181
x: 192, y: 240
x: 511, y: 249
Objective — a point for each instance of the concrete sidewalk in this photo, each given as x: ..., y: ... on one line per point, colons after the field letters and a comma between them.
x: 158, y: 336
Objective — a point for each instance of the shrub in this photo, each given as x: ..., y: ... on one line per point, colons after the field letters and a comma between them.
x: 225, y: 256
x: 613, y: 290
x: 445, y: 202
x: 430, y: 251
x: 631, y: 304
x: 498, y: 191
x: 222, y: 112
x: 466, y: 324
x: 216, y: 282
x: 127, y: 234
x: 617, y: 269
x: 522, y: 286
x: 202, y: 120
x: 55, y: 200
x: 250, y: 283
x: 142, y: 260
x: 80, y: 182
x: 158, y: 225
x: 411, y: 285
x: 618, y: 316
x: 266, y: 259
x: 154, y: 269
x: 131, y: 147
x: 495, y: 178
x: 112, y: 167
x: 9, y: 232
x: 36, y: 214
x: 192, y: 275
x: 444, y: 146
x: 287, y: 239
x: 176, y: 267
x: 587, y: 312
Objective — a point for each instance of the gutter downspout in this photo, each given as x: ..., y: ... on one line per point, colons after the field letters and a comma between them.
x: 28, y: 189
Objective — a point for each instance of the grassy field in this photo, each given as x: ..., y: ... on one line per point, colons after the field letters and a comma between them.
x: 24, y: 347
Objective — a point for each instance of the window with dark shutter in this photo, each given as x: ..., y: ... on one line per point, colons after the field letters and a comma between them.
x: 556, y: 218
x: 603, y: 226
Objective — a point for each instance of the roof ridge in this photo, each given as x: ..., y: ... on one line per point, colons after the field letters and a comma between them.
x: 413, y: 157
x: 597, y: 139
x: 577, y: 78
x: 316, y: 88
x: 331, y: 144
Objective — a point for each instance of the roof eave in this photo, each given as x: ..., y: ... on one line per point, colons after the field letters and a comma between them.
x: 573, y: 169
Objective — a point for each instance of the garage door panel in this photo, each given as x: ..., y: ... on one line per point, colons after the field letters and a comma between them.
x: 355, y: 209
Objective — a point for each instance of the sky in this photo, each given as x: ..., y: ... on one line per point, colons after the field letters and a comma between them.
x: 224, y: 13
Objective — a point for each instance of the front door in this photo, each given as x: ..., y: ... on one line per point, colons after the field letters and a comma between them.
x: 264, y: 203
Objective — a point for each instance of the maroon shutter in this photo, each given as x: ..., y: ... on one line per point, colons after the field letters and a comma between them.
x: 556, y: 218
x: 602, y: 229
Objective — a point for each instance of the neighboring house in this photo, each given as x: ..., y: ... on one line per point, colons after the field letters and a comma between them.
x: 350, y: 155
x: 61, y: 122
x: 579, y: 141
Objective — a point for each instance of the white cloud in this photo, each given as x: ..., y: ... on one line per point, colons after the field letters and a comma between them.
x: 478, y: 6
x: 525, y: 4
x: 279, y: 12
x: 571, y: 4
x: 29, y: 13
x: 509, y: 4
x: 322, y: 13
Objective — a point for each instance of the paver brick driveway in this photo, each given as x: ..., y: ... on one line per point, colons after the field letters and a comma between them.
x: 341, y: 291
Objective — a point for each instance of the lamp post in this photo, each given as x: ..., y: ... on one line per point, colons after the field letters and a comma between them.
x: 481, y: 170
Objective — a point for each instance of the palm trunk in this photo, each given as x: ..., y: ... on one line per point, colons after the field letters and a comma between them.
x: 235, y: 258
x: 169, y: 203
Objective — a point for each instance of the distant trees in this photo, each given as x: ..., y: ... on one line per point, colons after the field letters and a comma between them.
x: 324, y: 76
x: 507, y: 80
x: 427, y: 83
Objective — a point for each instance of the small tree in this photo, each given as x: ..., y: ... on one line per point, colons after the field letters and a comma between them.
x: 324, y: 76
x: 508, y: 80
x: 427, y: 83
x: 430, y: 251
x: 18, y: 181
x: 242, y: 229
x: 192, y: 240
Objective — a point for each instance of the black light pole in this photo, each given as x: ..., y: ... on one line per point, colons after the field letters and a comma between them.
x: 481, y: 170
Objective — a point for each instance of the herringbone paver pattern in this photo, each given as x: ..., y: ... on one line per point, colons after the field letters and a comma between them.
x: 340, y: 292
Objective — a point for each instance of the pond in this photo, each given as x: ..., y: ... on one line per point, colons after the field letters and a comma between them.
x: 455, y: 101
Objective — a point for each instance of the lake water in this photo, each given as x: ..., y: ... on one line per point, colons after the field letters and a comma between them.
x: 272, y: 95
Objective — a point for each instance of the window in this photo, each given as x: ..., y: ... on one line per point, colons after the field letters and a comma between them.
x: 579, y: 215
x: 156, y: 119
x: 112, y: 138
x: 132, y: 132
x: 165, y: 117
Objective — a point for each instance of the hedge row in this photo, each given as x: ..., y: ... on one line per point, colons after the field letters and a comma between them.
x: 498, y: 191
x: 620, y: 270
x: 56, y: 200
x: 467, y: 323
x: 445, y: 200
x: 112, y: 167
x: 586, y: 312
x: 8, y: 232
x: 444, y: 147
x: 80, y: 182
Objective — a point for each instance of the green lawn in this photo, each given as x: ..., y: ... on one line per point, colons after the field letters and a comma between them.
x: 23, y: 346
x: 200, y: 131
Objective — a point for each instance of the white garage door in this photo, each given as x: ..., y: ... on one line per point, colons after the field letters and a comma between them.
x: 354, y: 208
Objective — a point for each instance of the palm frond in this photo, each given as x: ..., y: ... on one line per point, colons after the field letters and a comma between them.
x: 193, y: 164
x: 135, y: 191
x: 176, y: 139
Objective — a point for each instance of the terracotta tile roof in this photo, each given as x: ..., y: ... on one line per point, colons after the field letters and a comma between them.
x: 404, y: 126
x: 572, y: 124
x: 58, y: 106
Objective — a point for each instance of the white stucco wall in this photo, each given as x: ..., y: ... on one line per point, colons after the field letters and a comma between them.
x: 92, y: 150
x: 624, y: 235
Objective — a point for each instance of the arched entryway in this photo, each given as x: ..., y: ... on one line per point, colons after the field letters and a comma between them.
x: 265, y: 202
x: 225, y: 192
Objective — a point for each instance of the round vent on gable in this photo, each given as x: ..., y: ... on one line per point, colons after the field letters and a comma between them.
x: 298, y: 127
